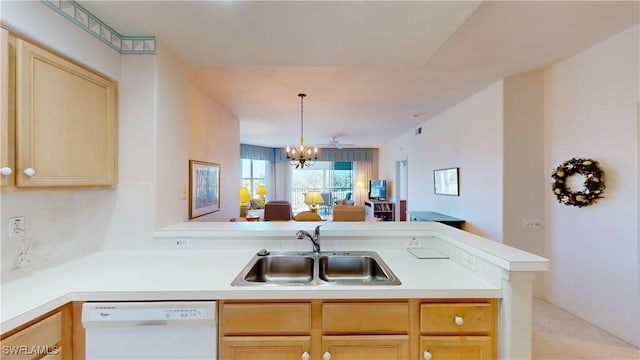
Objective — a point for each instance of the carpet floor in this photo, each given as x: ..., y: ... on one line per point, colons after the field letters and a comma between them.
x: 558, y: 335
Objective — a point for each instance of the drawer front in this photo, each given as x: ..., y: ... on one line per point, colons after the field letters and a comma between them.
x: 456, y: 318
x: 365, y: 318
x: 457, y: 347
x: 265, y: 319
x: 38, y: 339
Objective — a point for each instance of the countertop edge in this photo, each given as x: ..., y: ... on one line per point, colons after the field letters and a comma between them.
x: 249, y: 293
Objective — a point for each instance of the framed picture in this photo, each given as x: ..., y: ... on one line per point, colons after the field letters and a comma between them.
x: 204, y: 188
x: 445, y: 182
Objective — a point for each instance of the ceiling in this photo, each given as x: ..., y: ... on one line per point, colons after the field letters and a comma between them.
x: 371, y: 70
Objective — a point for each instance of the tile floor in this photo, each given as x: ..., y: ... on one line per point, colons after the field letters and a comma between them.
x: 558, y: 335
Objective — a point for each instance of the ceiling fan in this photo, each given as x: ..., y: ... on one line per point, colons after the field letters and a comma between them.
x: 336, y: 144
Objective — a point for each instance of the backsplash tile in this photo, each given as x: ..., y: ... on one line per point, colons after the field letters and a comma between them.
x: 49, y: 227
x: 129, y: 45
x: 63, y: 224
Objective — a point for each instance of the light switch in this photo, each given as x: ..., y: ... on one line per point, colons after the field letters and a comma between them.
x: 532, y: 224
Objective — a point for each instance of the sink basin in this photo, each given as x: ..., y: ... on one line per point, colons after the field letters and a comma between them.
x: 282, y: 268
x: 354, y: 268
x: 306, y: 268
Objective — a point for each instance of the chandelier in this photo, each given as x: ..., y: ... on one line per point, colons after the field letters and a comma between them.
x: 302, y: 155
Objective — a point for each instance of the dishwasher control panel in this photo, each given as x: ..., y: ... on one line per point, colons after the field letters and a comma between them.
x: 146, y: 313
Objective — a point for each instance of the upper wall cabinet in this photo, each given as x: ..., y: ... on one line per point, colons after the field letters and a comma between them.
x: 61, y: 124
x: 7, y: 100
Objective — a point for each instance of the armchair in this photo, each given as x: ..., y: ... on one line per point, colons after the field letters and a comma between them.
x: 277, y: 210
x: 307, y: 216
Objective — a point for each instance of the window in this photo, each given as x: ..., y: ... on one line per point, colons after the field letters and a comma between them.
x: 334, y: 180
x: 254, y: 174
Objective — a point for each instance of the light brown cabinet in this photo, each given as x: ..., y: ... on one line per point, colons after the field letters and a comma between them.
x: 7, y: 108
x: 47, y: 337
x: 355, y: 347
x: 358, y: 329
x: 365, y: 330
x: 268, y: 330
x: 59, y: 121
x: 265, y: 347
x: 458, y: 330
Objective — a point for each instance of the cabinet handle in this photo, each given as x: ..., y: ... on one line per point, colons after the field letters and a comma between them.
x: 6, y: 171
x: 29, y: 172
x: 305, y: 356
x: 459, y: 320
x: 326, y: 356
x: 427, y: 355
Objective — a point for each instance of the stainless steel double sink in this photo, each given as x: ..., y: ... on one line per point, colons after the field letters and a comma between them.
x: 307, y: 268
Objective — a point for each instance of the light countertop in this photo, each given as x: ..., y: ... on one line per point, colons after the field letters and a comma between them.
x: 207, y: 275
x: 219, y: 251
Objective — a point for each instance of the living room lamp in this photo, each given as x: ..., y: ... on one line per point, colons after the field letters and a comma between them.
x: 262, y: 191
x: 302, y: 155
x: 244, y: 197
x: 314, y: 198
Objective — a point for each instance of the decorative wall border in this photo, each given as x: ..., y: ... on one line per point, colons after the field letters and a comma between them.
x: 126, y: 45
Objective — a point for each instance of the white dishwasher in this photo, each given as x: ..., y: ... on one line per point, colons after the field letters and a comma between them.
x: 150, y: 330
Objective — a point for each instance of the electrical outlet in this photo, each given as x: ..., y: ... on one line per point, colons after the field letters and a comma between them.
x: 469, y: 261
x: 182, y: 243
x: 532, y: 224
x: 414, y: 243
x: 16, y: 227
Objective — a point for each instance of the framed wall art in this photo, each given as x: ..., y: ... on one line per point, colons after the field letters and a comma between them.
x: 204, y: 188
x: 445, y: 181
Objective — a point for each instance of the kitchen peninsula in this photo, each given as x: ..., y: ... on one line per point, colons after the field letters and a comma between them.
x: 478, y: 273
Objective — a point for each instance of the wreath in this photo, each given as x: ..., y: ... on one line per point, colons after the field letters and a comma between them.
x: 593, y: 184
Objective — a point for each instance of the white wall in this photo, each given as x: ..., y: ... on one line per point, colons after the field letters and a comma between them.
x: 43, y: 25
x: 468, y: 136
x: 591, y: 111
x: 153, y: 149
x: 525, y: 175
x: 53, y: 217
x: 214, y: 136
x: 172, y: 136
x: 123, y: 218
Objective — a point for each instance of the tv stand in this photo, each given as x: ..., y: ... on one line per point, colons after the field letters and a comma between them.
x: 380, y: 209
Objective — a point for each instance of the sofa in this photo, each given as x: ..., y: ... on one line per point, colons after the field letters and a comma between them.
x: 348, y: 213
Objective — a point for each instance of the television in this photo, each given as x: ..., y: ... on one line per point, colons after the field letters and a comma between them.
x: 377, y: 189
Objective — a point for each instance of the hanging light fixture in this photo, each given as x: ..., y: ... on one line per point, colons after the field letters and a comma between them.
x: 302, y: 155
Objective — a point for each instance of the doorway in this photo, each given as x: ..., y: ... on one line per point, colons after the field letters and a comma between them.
x: 402, y: 186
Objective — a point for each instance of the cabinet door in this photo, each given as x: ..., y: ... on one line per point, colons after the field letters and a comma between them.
x: 457, y: 347
x: 66, y: 122
x: 7, y: 97
x: 264, y: 347
x: 359, y: 347
x: 47, y: 337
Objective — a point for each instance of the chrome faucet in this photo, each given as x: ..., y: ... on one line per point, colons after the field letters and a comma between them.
x: 315, y: 238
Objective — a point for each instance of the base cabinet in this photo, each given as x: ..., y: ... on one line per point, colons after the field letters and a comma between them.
x: 456, y: 347
x: 454, y: 330
x: 265, y: 347
x: 356, y: 347
x: 47, y: 337
x: 264, y: 330
x: 358, y: 329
